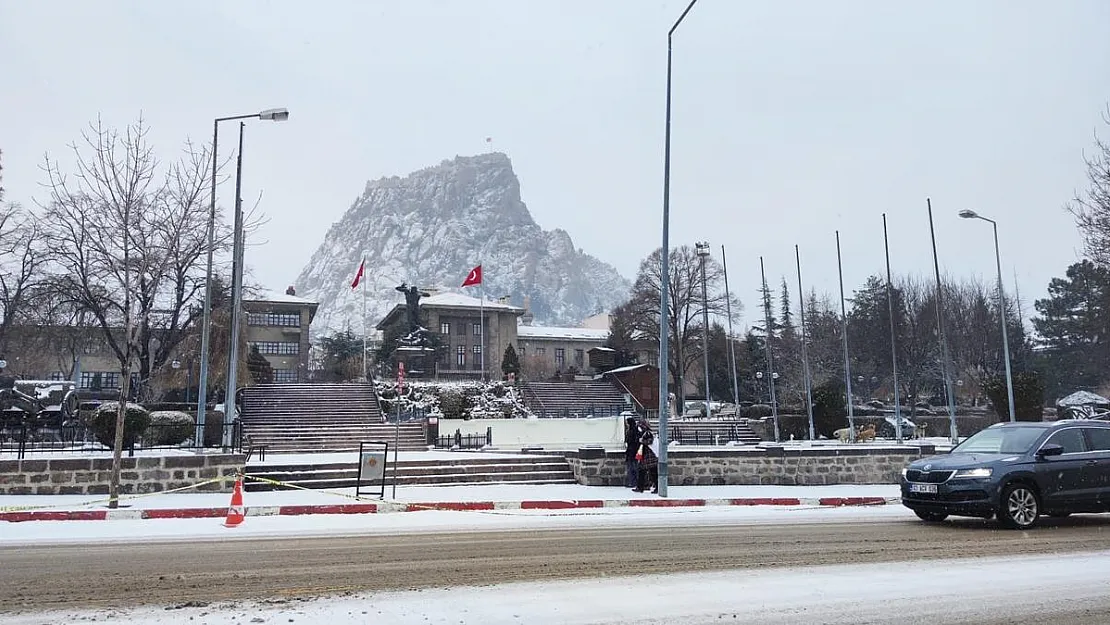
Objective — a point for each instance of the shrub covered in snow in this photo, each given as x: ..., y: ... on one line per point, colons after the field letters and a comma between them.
x: 453, y: 400
x: 169, y: 427
x: 135, y: 421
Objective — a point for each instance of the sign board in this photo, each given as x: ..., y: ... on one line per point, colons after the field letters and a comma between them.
x: 371, y: 467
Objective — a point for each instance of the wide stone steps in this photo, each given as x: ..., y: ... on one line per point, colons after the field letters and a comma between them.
x: 554, y: 470
x: 316, y: 417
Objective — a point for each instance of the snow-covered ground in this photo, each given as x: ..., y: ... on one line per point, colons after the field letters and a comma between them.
x: 491, y: 492
x: 939, y: 591
x: 65, y: 532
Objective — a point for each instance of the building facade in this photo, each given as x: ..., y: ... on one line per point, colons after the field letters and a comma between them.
x: 278, y: 326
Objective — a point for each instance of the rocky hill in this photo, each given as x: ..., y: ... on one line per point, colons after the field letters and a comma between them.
x: 431, y: 227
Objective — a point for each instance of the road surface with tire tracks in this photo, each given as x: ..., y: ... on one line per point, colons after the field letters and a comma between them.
x: 34, y: 578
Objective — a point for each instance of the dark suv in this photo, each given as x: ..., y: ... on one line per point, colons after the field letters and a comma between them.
x: 1017, y: 471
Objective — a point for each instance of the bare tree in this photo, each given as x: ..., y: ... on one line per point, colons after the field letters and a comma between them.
x: 127, y: 239
x: 1091, y: 208
x: 685, y: 306
x: 21, y: 258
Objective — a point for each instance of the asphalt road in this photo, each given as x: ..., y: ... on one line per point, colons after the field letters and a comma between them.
x: 168, y: 573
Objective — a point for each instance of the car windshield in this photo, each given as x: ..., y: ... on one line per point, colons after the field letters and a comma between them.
x: 1000, y: 441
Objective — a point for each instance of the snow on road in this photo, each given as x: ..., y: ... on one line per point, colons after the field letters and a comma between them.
x: 1066, y: 589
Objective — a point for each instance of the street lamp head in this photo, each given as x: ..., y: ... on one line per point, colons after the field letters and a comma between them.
x: 274, y: 115
x: 759, y: 375
x: 969, y: 214
x: 176, y: 364
x: 702, y: 248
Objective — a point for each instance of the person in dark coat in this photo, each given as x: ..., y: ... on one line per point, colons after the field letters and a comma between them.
x: 631, y: 446
x: 649, y: 464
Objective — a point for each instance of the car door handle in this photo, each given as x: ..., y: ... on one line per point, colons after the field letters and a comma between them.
x: 1092, y: 463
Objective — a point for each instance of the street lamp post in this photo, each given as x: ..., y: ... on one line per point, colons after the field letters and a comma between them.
x: 844, y: 335
x: 770, y: 334
x: 664, y: 273
x: 970, y: 214
x: 277, y: 115
x: 703, y: 255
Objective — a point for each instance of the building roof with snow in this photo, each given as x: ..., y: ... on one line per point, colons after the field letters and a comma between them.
x: 526, y: 332
x: 277, y: 298
x: 451, y: 301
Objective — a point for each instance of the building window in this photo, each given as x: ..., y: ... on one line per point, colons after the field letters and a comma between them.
x: 541, y: 351
x: 285, y: 376
x: 460, y: 328
x: 477, y: 349
x: 444, y: 328
x: 579, y: 358
x: 287, y: 320
x: 56, y: 376
x: 477, y: 329
x: 278, y: 348
x: 560, y: 357
x: 460, y: 356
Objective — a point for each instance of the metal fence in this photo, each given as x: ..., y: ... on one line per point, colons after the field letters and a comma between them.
x: 458, y: 440
x: 612, y: 410
x: 702, y: 436
x: 23, y: 439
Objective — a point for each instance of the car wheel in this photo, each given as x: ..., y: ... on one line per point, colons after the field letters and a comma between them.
x: 1019, y: 507
x: 930, y: 517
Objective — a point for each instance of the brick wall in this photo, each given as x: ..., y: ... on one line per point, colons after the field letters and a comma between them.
x: 89, y: 476
x: 777, y: 466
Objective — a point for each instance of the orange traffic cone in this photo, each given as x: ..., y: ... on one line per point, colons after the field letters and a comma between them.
x: 236, y: 512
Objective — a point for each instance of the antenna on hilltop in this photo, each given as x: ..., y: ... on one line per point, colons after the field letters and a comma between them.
x: 489, y: 144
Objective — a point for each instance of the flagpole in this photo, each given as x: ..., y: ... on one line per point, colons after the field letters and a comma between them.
x: 365, y: 372
x: 482, y: 324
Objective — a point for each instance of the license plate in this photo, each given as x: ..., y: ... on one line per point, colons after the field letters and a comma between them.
x: 923, y: 488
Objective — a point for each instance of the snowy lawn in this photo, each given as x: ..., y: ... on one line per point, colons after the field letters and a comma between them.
x: 933, y: 591
x: 42, y: 532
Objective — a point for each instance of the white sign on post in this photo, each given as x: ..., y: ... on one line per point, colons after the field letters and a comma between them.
x: 372, y: 465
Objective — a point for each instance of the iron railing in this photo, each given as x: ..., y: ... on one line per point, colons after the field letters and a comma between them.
x: 609, y: 410
x: 23, y: 438
x: 458, y: 440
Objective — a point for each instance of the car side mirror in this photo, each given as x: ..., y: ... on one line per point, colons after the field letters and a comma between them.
x: 1051, y: 449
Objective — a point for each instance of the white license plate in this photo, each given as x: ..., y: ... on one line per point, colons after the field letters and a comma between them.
x: 923, y: 488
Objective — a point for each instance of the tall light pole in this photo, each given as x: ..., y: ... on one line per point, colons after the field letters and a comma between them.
x: 703, y: 256
x: 950, y: 391
x: 236, y: 297
x: 277, y: 115
x: 805, y: 350
x: 844, y: 335
x: 970, y: 214
x: 664, y: 273
x: 893, y: 345
x: 731, y: 343
x: 771, y: 375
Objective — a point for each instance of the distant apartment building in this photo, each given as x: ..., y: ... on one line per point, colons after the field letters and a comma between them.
x: 278, y: 326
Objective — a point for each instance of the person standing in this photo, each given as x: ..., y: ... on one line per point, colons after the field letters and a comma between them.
x: 631, y: 446
x: 649, y: 462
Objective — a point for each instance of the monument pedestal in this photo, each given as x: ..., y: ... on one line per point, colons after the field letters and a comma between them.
x: 419, y: 361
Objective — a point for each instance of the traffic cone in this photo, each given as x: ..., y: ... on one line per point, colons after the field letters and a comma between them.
x: 236, y: 512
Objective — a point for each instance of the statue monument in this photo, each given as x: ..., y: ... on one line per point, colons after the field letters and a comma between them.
x: 413, y: 347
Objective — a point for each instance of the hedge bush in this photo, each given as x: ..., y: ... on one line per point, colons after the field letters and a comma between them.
x: 135, y: 421
x: 830, y: 413
x: 453, y: 403
x: 169, y: 427
x: 758, y: 411
x: 1028, y: 396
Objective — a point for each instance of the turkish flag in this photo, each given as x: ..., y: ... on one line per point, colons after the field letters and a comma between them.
x: 474, y: 277
x: 358, y: 276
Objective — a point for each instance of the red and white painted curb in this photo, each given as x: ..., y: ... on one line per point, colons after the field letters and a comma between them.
x: 456, y: 506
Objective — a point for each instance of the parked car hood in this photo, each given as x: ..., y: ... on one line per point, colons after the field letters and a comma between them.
x: 958, y: 461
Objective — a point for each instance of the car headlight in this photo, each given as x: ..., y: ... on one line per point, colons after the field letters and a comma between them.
x: 980, y: 472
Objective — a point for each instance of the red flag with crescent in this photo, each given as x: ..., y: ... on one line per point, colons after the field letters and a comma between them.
x: 358, y: 276
x: 474, y: 277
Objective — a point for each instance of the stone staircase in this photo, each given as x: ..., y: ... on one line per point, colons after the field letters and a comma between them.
x: 511, y: 469
x: 299, y: 418
x: 574, y: 399
x: 698, y: 432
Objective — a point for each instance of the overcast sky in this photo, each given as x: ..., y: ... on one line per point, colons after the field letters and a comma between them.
x: 791, y: 119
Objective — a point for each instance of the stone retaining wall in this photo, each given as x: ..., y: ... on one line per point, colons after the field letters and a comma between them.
x: 89, y: 476
x: 772, y: 465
